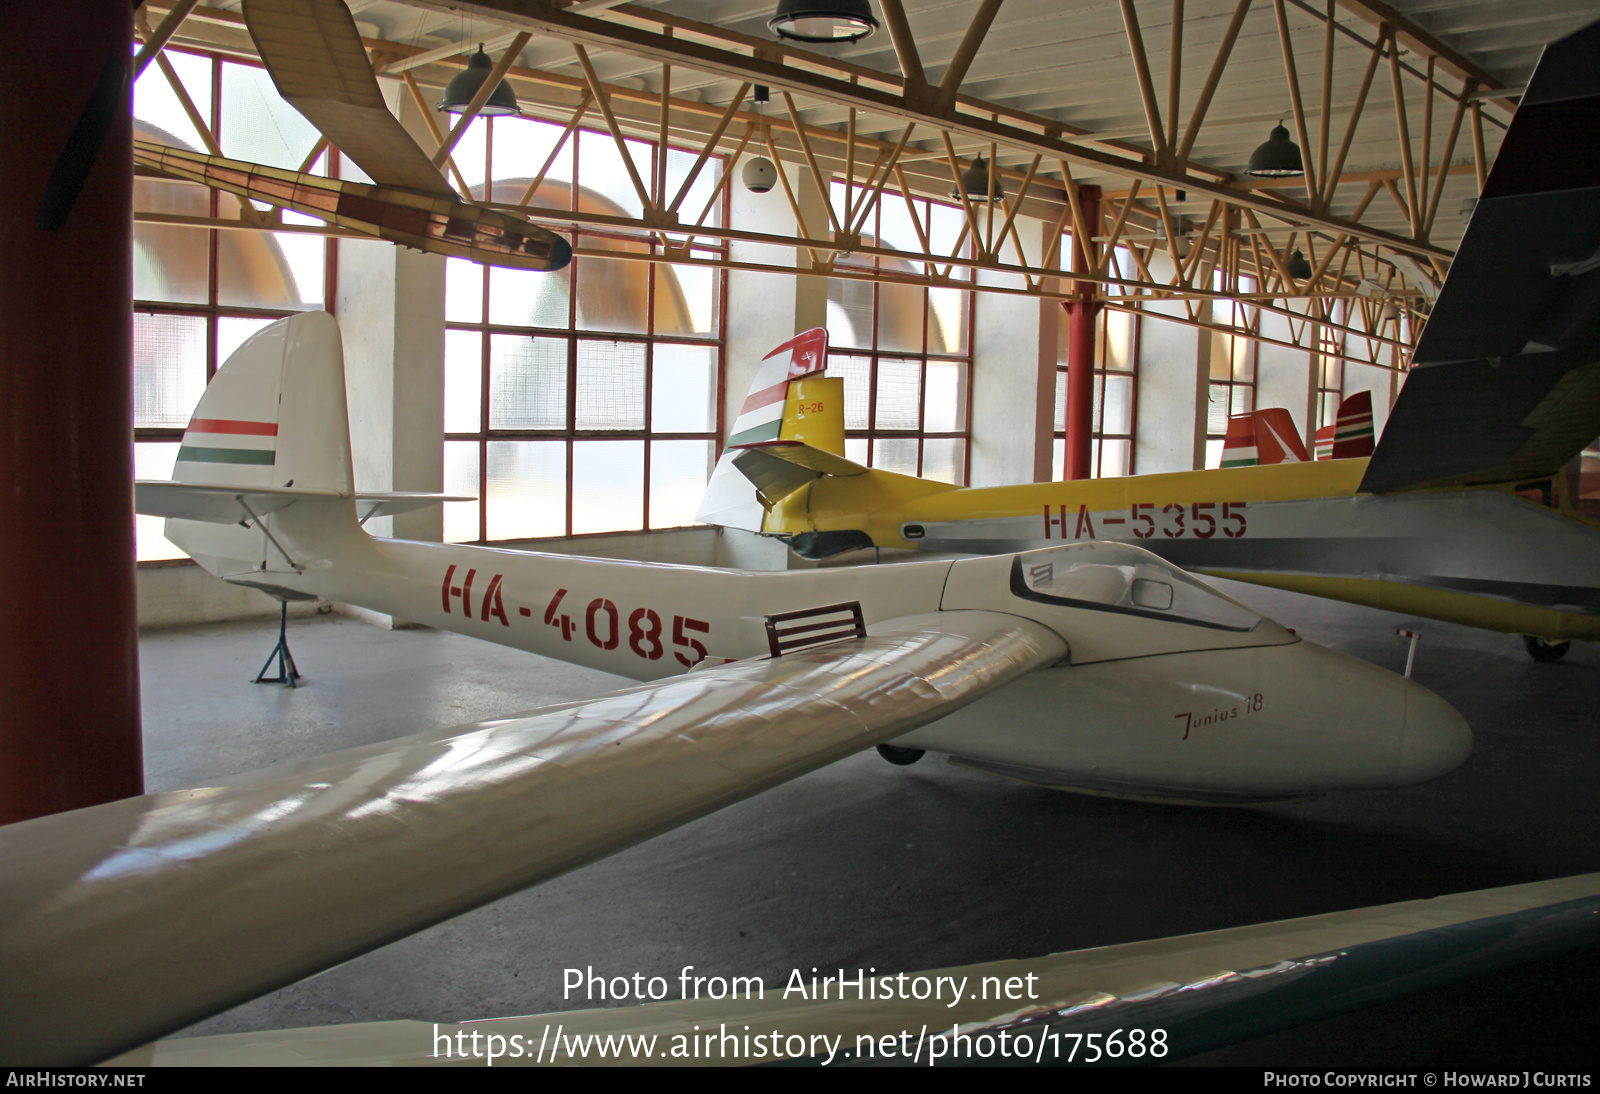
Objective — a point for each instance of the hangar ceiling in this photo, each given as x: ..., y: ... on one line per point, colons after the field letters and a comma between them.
x: 1398, y: 109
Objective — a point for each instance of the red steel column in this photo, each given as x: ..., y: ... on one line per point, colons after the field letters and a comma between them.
x: 69, y: 680
x: 1080, y: 345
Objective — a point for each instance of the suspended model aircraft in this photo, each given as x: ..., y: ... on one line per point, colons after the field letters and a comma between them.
x: 314, y: 54
x: 1469, y: 510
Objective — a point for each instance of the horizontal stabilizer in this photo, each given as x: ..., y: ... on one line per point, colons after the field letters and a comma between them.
x: 216, y: 504
x: 400, y: 501
x: 780, y: 468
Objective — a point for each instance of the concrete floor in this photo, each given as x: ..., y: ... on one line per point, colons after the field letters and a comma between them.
x: 865, y: 864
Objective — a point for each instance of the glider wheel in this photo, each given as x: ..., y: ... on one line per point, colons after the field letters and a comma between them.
x: 1540, y: 650
x: 900, y: 756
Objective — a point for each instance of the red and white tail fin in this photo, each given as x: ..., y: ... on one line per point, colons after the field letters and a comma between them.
x: 1277, y: 439
x: 1262, y: 437
x: 789, y: 401
x: 1239, y: 446
x: 1353, y: 433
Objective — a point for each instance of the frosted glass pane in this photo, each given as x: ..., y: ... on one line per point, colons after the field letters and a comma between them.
x: 855, y: 450
x: 169, y: 369
x: 678, y: 474
x: 900, y: 319
x: 946, y: 410
x: 894, y: 223
x: 947, y: 320
x: 232, y: 330
x: 463, y: 381
x: 471, y: 152
x: 897, y: 454
x: 678, y: 164
x: 307, y: 256
x: 899, y: 393
x: 1058, y: 459
x: 1114, y: 459
x: 1119, y: 340
x: 463, y: 291
x: 607, y: 486
x: 527, y: 382
x: 171, y: 263
x: 1061, y: 400
x: 1118, y: 413
x: 527, y: 495
x: 255, y: 271
x: 153, y: 460
x: 1217, y: 410
x: 603, y: 173
x: 157, y: 105
x: 857, y: 373
x: 685, y: 299
x: 529, y: 298
x: 944, y: 459
x: 520, y: 147
x: 461, y: 477
x: 610, y: 385
x: 257, y: 125
x: 849, y: 313
x: 613, y: 295
x: 946, y: 224
x: 1243, y: 400
x: 683, y: 389
x: 1213, y: 454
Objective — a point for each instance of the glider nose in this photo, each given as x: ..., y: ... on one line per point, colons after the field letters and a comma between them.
x: 1437, y: 739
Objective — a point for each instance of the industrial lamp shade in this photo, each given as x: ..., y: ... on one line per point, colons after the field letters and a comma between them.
x: 459, y: 92
x: 1278, y: 158
x: 823, y: 20
x: 1298, y: 266
x: 975, y: 182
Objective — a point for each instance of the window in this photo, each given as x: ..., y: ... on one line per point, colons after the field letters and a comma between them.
x: 586, y: 400
x: 1115, y: 394
x: 1329, y: 365
x: 199, y: 292
x: 903, y: 350
x: 1232, y: 389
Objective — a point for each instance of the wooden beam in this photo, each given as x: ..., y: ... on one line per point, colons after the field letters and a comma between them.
x: 611, y: 123
x: 945, y: 99
x: 1147, y: 90
x: 1403, y: 131
x: 1292, y: 75
x: 1332, y: 179
x: 905, y: 48
x: 705, y: 152
x: 159, y: 37
x: 433, y: 129
x: 1174, y: 71
x: 1417, y: 38
x: 1220, y: 62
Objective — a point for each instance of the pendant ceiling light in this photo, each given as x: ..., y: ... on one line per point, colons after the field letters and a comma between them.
x: 975, y: 183
x: 459, y: 92
x: 1278, y: 158
x: 1298, y: 266
x: 823, y: 20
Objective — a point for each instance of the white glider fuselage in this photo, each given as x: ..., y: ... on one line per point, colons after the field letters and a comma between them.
x: 1169, y: 689
x: 1217, y: 705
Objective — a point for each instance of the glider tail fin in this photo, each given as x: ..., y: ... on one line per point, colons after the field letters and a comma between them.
x: 264, y: 469
x: 789, y: 400
x: 1351, y: 435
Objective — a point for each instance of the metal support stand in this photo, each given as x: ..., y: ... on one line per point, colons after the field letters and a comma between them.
x: 1411, y: 654
x: 287, y: 673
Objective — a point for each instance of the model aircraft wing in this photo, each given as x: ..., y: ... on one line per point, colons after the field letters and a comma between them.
x: 1505, y: 382
x: 314, y: 54
x: 126, y: 921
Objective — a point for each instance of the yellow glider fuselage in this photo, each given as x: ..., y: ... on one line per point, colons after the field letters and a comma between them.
x: 1486, y: 557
